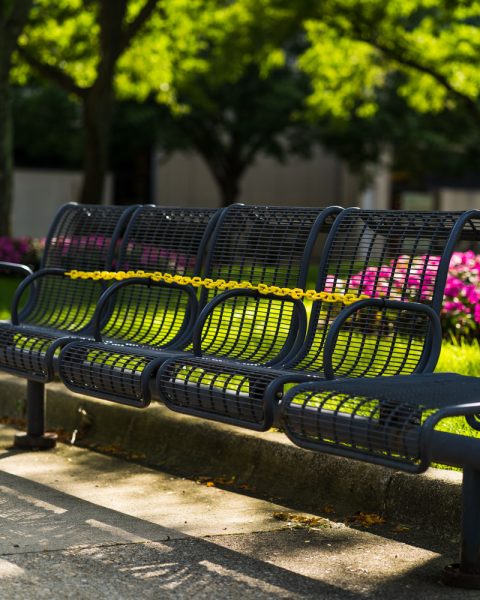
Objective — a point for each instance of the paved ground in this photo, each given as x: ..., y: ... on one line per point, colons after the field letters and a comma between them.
x: 78, y: 524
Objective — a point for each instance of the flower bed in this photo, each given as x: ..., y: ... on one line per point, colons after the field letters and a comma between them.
x: 23, y: 250
x: 461, y: 307
x: 413, y: 278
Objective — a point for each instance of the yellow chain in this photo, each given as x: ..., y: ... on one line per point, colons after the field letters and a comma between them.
x: 219, y: 284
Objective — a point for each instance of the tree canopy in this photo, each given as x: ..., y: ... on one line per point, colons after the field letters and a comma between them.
x: 78, y: 45
x: 356, y: 45
x: 236, y: 78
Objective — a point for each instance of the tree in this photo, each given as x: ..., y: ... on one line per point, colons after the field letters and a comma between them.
x: 239, y: 93
x: 47, y: 127
x: 401, y: 75
x: 48, y: 134
x: 356, y: 45
x: 140, y: 48
x: 230, y: 123
x: 77, y: 45
x: 422, y: 145
x: 13, y: 15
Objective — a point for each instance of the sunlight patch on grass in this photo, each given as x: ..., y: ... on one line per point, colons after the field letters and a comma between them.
x: 460, y: 358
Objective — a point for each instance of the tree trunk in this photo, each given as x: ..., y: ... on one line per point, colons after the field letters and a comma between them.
x: 97, y: 101
x: 13, y: 15
x: 6, y: 147
x: 226, y: 172
x: 229, y: 190
x: 97, y: 119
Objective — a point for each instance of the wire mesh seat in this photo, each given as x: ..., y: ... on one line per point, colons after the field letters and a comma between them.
x: 81, y: 236
x: 249, y: 243
x: 400, y: 260
x: 387, y: 421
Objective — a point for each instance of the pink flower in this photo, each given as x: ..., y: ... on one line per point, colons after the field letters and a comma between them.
x: 450, y: 306
x: 472, y: 294
x: 476, y: 314
x: 453, y: 287
x: 414, y: 278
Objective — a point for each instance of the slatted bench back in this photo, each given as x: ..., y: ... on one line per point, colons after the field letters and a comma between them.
x: 81, y: 237
x: 259, y: 244
x: 171, y: 240
x: 395, y: 255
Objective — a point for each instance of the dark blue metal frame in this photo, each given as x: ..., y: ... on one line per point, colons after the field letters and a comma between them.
x: 16, y: 268
x: 30, y: 283
x: 106, y: 303
x: 423, y: 441
x: 295, y: 339
x: 103, y: 312
x: 431, y: 351
x: 35, y: 436
x: 293, y: 342
x: 54, y: 271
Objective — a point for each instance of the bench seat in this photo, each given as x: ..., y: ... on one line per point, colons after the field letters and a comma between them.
x: 388, y: 420
x: 54, y: 306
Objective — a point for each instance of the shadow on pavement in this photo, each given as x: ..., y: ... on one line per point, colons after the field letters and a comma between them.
x: 87, y: 538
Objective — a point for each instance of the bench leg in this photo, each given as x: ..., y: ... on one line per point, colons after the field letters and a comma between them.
x: 466, y: 574
x: 35, y: 438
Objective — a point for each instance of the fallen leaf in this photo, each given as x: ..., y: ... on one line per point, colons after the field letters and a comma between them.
x: 301, y: 521
x: 365, y: 519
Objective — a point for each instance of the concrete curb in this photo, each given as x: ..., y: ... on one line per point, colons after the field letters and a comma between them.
x: 266, y: 462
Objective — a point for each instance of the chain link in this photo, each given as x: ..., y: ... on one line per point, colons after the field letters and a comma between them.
x: 220, y: 284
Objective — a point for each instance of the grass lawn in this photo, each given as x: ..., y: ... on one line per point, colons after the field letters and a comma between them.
x: 464, y: 359
x: 460, y: 358
x: 8, y: 285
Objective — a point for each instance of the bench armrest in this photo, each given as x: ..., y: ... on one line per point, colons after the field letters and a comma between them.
x: 291, y: 346
x: 106, y: 304
x: 29, y: 281
x: 16, y: 268
x: 428, y: 361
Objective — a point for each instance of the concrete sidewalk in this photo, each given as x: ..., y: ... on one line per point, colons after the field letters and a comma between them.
x: 266, y: 462
x: 79, y: 524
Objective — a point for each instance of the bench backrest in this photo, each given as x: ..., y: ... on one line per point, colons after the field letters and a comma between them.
x: 395, y: 255
x: 171, y: 240
x: 84, y: 237
x: 259, y: 244
x: 81, y: 237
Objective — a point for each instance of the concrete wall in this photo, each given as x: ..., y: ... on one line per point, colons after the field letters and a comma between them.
x: 39, y: 193
x: 452, y: 199
x: 184, y: 179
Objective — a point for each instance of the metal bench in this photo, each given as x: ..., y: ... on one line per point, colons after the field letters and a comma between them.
x: 252, y: 243
x: 399, y: 259
x: 59, y: 308
x: 354, y: 381
x: 393, y: 421
x: 80, y: 236
x: 346, y: 406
